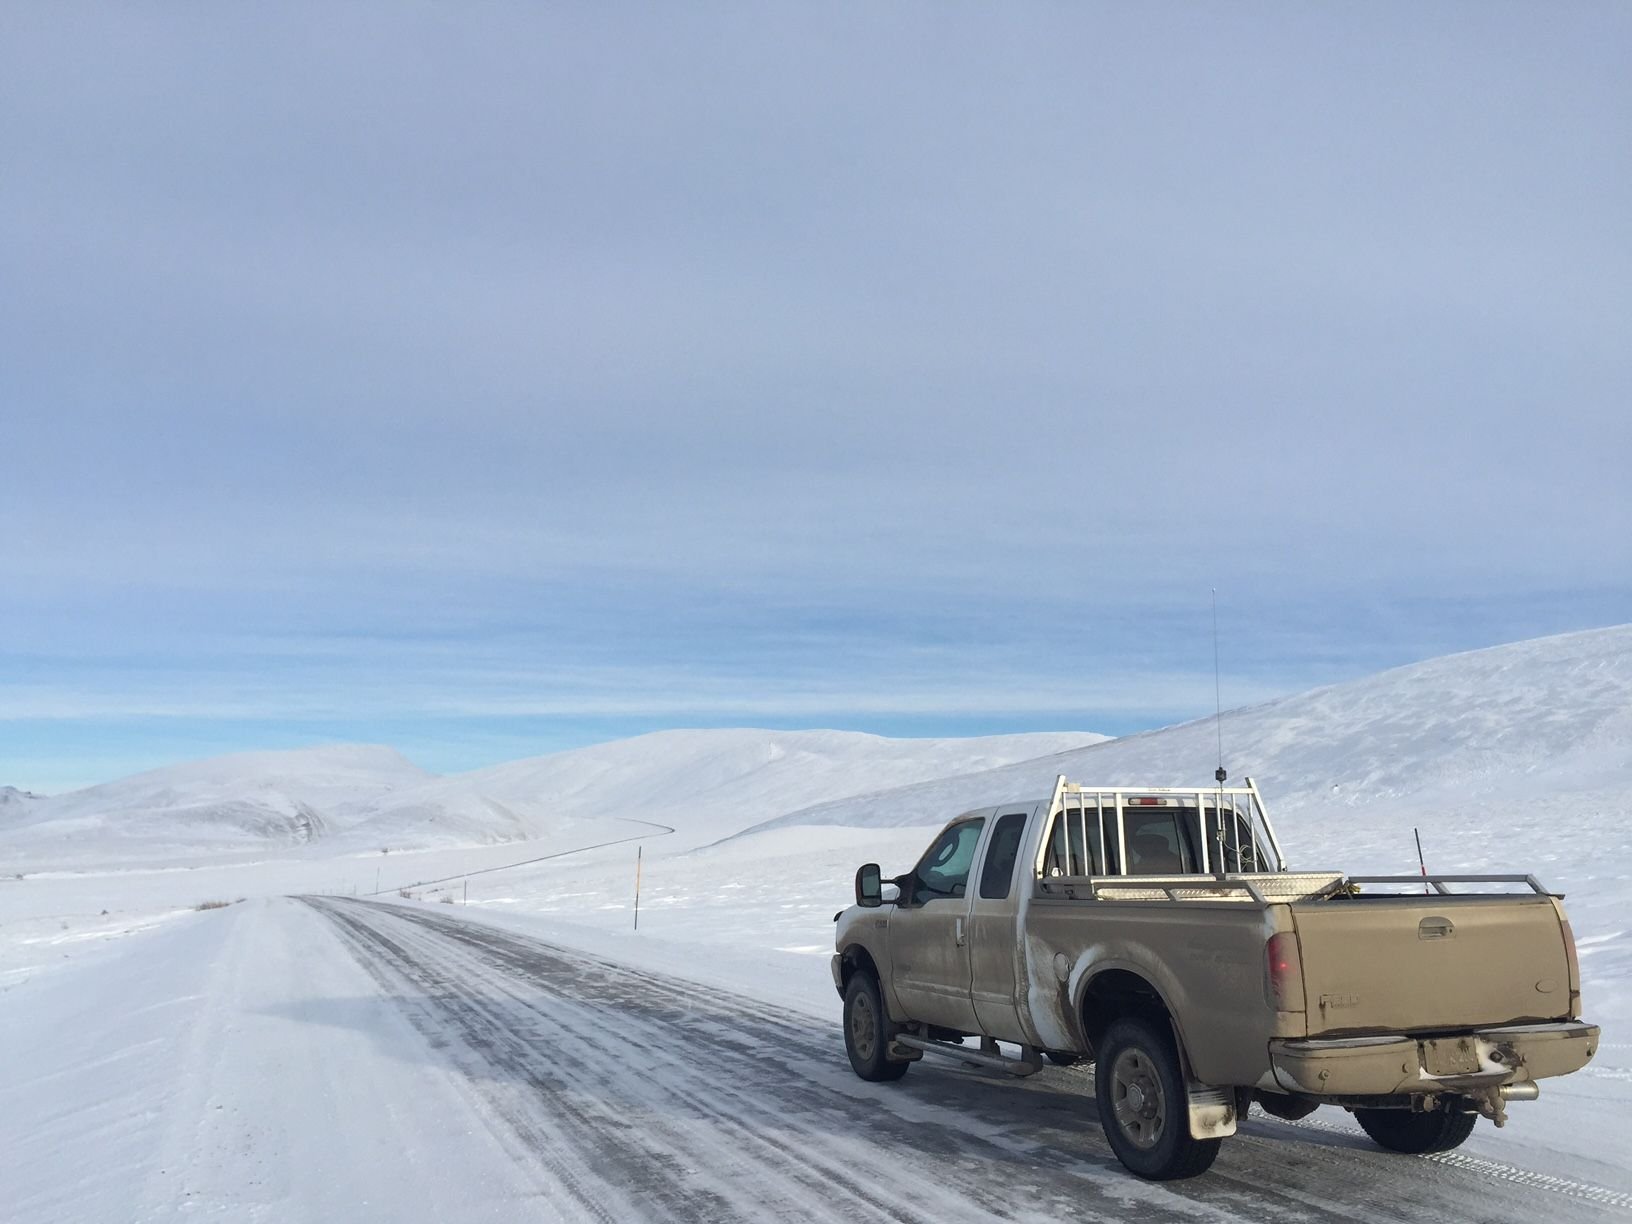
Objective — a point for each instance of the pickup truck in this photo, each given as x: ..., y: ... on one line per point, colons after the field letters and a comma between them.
x: 1157, y: 933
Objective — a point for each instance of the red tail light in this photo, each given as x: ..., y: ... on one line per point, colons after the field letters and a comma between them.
x: 1283, y: 973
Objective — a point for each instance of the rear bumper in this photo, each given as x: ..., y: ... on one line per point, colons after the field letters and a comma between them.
x: 1398, y: 1063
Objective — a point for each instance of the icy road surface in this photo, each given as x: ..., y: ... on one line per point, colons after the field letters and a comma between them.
x: 303, y: 1061
x: 629, y: 1095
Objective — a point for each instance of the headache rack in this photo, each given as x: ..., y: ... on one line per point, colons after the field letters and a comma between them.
x: 1235, y: 852
x: 1089, y: 824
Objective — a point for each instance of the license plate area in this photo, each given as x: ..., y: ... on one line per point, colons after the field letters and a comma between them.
x: 1450, y: 1056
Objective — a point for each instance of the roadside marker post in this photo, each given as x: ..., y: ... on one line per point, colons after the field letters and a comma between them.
x: 637, y: 887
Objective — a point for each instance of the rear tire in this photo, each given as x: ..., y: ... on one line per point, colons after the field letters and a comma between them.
x: 1144, y: 1105
x: 867, y: 1031
x: 1416, y: 1134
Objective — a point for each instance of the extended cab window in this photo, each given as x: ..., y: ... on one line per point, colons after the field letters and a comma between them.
x: 997, y: 873
x: 944, y: 869
x: 1067, y: 855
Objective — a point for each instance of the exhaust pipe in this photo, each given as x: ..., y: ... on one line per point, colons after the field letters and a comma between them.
x: 1526, y: 1090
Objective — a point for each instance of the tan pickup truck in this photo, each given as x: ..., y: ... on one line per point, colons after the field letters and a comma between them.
x: 1158, y: 933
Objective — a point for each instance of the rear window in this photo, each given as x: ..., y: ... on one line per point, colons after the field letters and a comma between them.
x: 1155, y: 846
x: 1160, y: 841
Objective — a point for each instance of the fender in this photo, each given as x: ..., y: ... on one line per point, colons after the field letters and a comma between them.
x: 1089, y: 969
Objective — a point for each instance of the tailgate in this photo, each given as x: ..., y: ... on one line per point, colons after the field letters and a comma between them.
x: 1410, y: 963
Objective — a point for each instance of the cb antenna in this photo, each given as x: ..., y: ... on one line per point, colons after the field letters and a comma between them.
x: 1218, y: 697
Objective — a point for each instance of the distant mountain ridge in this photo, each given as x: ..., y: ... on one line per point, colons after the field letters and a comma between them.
x: 356, y: 798
x: 1542, y: 727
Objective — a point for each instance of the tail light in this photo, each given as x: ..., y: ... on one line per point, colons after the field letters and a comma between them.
x: 1283, y: 973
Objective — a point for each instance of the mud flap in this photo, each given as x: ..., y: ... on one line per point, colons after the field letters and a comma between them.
x: 1212, y: 1111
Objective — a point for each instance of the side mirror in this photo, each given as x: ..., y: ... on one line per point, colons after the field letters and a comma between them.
x: 892, y: 892
x: 869, y: 886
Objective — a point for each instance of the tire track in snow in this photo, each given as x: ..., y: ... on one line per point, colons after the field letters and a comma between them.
x: 682, y: 1146
x: 642, y: 1096
x: 1495, y: 1169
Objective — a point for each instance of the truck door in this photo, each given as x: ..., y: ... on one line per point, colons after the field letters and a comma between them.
x: 929, y: 953
x: 993, y: 949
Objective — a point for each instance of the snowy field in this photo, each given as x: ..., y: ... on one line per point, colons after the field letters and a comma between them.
x: 239, y: 1063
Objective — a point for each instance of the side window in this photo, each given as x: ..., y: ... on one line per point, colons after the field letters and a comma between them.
x: 944, y: 869
x: 997, y: 874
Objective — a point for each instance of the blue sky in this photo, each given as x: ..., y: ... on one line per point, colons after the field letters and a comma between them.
x: 490, y: 381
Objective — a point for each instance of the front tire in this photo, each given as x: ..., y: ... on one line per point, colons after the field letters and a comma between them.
x: 867, y: 1031
x: 1144, y: 1105
x: 1416, y: 1134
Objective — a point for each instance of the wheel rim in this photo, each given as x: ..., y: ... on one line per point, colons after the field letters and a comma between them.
x: 1137, y: 1098
x: 863, y: 1028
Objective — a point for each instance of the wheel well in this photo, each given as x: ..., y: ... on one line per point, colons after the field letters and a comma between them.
x: 1117, y: 993
x: 856, y: 958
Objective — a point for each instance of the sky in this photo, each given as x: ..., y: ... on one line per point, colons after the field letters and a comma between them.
x: 489, y: 380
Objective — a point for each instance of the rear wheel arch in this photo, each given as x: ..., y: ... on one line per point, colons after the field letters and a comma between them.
x: 1114, y: 992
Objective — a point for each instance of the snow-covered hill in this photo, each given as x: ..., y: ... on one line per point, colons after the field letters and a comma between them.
x: 14, y: 803
x: 712, y: 783
x: 251, y: 800
x: 1507, y: 732
x: 352, y: 798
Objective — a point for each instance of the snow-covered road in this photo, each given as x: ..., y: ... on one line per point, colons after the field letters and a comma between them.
x: 326, y: 1058
x: 629, y: 1094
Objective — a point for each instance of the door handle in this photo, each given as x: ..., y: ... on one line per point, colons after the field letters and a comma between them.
x: 959, y: 930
